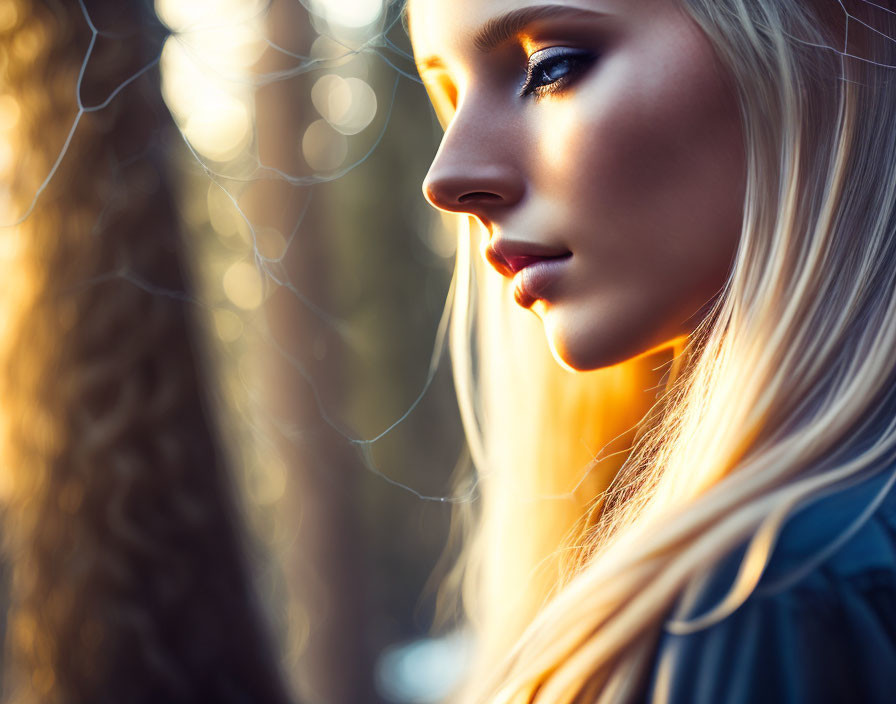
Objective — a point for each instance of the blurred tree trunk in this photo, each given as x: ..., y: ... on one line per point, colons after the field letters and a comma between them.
x: 130, y: 580
x: 325, y: 568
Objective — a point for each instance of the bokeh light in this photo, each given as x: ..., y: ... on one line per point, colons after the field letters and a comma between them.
x: 348, y: 104
x: 323, y: 147
x: 332, y: 96
x: 205, y: 66
x: 349, y: 13
x: 9, y: 112
x: 292, y: 264
x: 424, y: 671
x: 182, y: 16
x: 9, y: 15
x: 270, y: 243
x: 228, y: 325
x: 9, y: 118
x: 243, y: 286
x: 6, y: 157
x: 222, y: 213
x: 27, y: 42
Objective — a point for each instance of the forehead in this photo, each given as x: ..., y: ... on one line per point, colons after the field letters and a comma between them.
x: 440, y: 25
x: 427, y: 15
x: 433, y: 23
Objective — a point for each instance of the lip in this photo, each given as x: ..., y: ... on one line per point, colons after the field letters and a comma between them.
x: 510, y: 257
x: 532, y: 282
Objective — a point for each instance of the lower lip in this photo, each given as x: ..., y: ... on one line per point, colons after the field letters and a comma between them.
x: 531, y: 284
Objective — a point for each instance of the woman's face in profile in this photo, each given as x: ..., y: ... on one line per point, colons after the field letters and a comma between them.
x: 599, y: 143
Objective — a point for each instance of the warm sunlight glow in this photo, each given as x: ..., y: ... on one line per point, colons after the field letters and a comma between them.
x: 9, y: 15
x: 6, y: 158
x: 27, y: 42
x: 9, y: 112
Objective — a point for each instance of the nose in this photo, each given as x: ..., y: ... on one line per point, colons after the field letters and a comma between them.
x: 468, y: 177
x: 474, y: 191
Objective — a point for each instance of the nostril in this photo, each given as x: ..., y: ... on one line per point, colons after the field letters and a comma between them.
x: 478, y: 196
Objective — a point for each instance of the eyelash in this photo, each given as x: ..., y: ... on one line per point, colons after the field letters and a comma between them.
x: 579, y: 61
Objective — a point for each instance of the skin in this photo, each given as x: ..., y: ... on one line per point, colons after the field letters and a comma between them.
x: 634, y: 163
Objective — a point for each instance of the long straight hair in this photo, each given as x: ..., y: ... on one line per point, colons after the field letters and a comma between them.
x: 783, y: 393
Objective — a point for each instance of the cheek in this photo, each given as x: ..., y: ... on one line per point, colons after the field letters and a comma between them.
x: 659, y: 130
x: 645, y: 166
x: 645, y: 159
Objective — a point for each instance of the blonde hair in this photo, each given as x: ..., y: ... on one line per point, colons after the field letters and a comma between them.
x: 783, y: 393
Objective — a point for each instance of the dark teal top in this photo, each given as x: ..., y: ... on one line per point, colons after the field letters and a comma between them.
x: 820, y: 627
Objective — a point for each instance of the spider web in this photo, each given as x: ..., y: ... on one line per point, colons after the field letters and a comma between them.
x: 232, y: 246
x: 228, y: 177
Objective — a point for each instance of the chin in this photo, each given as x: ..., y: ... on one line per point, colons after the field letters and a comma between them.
x: 582, y: 348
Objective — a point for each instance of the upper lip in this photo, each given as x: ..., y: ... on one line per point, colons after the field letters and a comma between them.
x: 510, y: 256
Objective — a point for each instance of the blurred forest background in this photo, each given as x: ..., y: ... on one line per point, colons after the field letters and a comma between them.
x: 229, y: 189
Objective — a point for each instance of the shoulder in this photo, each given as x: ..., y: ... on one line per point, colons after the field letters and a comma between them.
x: 819, y: 628
x: 842, y: 536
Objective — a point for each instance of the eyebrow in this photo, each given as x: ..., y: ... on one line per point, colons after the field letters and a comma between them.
x: 503, y: 28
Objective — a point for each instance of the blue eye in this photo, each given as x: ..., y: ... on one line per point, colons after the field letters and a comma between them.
x: 550, y: 70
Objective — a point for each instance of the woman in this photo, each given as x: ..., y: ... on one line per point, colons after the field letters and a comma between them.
x: 697, y: 200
